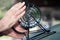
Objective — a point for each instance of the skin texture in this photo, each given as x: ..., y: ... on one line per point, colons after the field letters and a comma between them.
x: 13, y: 34
x: 11, y: 20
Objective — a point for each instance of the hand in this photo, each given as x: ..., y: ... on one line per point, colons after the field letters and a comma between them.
x: 12, y: 16
x: 13, y: 34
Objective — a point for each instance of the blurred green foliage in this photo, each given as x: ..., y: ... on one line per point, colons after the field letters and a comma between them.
x: 4, y: 6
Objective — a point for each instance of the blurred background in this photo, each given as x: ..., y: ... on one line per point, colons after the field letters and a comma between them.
x: 49, y: 9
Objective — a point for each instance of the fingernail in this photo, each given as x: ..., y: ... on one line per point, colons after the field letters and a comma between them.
x: 23, y: 2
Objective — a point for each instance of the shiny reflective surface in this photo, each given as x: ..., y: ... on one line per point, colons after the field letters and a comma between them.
x: 32, y: 16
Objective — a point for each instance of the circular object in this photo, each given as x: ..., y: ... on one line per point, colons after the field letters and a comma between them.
x: 32, y: 15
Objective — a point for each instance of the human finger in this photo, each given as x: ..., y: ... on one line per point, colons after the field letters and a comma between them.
x: 21, y: 11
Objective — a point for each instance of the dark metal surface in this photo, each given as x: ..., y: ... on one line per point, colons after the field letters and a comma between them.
x: 42, y: 35
x: 39, y: 35
x: 55, y: 36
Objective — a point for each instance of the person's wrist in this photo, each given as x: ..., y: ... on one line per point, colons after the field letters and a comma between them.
x: 5, y: 21
x: 2, y: 21
x: 4, y: 24
x: 1, y: 25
